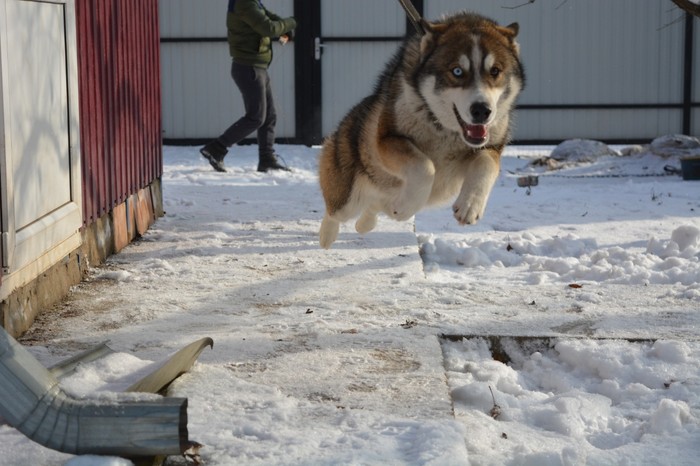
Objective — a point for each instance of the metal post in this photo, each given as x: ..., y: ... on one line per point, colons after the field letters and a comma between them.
x: 688, y: 74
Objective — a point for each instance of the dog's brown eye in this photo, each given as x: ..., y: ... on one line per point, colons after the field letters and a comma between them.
x: 495, y: 71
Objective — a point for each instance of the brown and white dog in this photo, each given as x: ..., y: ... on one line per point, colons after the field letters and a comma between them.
x: 435, y: 126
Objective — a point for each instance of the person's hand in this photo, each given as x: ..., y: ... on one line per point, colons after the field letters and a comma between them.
x: 287, y: 37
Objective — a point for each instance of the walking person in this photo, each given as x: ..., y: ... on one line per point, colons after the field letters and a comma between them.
x: 251, y: 29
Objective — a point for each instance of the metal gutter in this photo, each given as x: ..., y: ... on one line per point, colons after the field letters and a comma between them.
x: 32, y: 401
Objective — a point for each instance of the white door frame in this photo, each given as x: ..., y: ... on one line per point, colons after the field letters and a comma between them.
x: 32, y: 243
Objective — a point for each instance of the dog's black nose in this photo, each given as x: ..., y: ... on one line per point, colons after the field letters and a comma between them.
x: 480, y: 112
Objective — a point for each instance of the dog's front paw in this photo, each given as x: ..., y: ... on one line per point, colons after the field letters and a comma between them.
x: 470, y: 210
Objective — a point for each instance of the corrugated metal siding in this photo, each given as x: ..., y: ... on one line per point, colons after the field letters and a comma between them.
x: 359, y: 18
x: 342, y: 86
x: 185, y: 18
x: 200, y: 100
x: 120, y: 104
x: 350, y: 68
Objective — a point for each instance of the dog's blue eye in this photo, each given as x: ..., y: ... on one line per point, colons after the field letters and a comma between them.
x: 457, y: 71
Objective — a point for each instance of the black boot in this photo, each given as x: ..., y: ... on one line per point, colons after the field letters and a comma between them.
x: 214, y: 152
x: 271, y: 162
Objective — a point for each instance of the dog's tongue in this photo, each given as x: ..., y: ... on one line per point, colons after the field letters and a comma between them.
x: 476, y: 131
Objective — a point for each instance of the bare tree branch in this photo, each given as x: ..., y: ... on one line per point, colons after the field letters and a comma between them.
x: 685, y: 5
x: 518, y: 6
x: 688, y: 6
x: 561, y: 4
x: 680, y: 19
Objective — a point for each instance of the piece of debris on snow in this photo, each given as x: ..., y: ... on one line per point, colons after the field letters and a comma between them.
x: 192, y: 453
x: 496, y: 411
x: 410, y: 323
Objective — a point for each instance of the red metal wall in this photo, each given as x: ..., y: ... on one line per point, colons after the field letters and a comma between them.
x: 1, y: 247
x: 120, y: 108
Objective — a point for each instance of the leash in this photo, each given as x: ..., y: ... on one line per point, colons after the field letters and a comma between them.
x: 413, y: 15
x: 525, y: 181
x: 528, y: 181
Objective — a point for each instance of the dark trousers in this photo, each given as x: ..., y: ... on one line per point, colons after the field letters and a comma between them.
x: 260, y: 114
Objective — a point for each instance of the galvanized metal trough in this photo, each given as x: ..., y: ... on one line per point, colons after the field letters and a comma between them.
x: 32, y: 401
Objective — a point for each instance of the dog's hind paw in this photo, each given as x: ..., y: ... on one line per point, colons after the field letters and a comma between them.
x: 329, y: 232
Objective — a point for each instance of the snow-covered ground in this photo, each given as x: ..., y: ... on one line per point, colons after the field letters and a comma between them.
x: 579, y: 299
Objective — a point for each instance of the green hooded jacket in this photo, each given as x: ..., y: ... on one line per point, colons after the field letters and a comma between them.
x: 251, y: 28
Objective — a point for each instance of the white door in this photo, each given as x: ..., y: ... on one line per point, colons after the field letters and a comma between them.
x: 39, y: 162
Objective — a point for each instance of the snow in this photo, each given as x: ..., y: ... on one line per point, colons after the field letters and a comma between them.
x: 560, y: 330
x: 577, y: 401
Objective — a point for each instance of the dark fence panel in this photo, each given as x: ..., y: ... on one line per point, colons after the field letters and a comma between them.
x: 120, y: 103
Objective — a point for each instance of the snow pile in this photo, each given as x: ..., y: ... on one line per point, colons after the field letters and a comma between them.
x: 676, y: 145
x: 685, y: 243
x: 571, y: 259
x: 581, y: 151
x: 108, y: 377
x: 590, y: 158
x: 570, y: 401
x: 94, y: 460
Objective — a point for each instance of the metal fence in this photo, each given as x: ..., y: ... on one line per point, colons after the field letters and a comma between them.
x: 627, y: 70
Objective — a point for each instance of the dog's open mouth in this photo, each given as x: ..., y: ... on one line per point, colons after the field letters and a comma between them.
x: 475, y: 135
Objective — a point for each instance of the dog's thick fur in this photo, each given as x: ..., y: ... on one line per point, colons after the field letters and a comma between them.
x: 435, y: 126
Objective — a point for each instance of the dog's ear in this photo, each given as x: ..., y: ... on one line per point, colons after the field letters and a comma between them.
x: 432, y: 30
x: 511, y: 31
